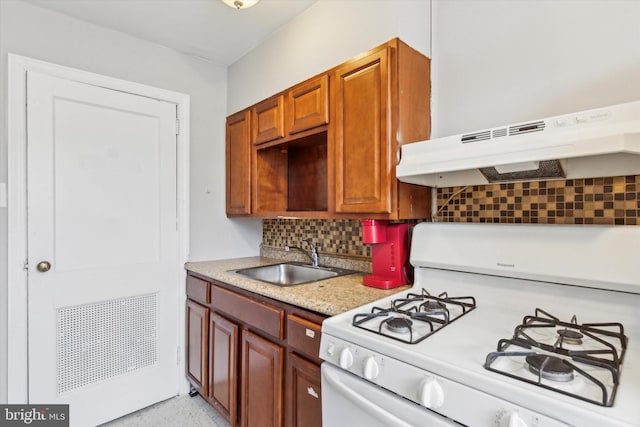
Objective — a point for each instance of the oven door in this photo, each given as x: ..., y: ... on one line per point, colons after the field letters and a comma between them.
x: 351, y: 401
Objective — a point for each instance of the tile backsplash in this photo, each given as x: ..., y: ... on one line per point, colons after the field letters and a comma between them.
x: 334, y: 236
x: 614, y: 200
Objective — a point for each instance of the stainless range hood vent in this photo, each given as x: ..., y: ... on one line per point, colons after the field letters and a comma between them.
x: 589, y: 144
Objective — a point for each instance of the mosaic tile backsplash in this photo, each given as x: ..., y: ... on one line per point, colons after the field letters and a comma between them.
x: 339, y: 236
x: 613, y: 200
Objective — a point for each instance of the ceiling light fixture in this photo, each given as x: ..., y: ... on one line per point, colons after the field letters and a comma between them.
x: 240, y: 4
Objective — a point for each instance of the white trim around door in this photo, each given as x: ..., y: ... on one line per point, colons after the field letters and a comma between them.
x: 17, y: 378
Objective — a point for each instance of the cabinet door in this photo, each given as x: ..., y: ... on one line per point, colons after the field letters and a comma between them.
x: 262, y: 377
x: 304, y: 401
x: 363, y: 140
x: 308, y: 105
x: 197, y: 346
x: 268, y: 120
x: 223, y: 366
x: 238, y: 164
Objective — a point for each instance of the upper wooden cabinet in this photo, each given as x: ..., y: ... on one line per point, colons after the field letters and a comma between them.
x: 362, y: 127
x: 381, y: 100
x: 268, y: 120
x: 239, y: 164
x: 308, y: 105
x: 328, y: 147
x: 303, y: 107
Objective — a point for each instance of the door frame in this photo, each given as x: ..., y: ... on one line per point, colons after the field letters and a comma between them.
x: 17, y: 325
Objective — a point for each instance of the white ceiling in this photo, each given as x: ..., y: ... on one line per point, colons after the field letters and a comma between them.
x: 204, y: 28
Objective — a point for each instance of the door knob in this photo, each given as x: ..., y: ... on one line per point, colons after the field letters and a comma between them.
x: 43, y: 266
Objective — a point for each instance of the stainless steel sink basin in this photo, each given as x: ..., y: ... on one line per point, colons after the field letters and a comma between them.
x: 292, y: 273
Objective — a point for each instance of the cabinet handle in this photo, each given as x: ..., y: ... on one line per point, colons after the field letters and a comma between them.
x: 310, y: 333
x: 312, y: 392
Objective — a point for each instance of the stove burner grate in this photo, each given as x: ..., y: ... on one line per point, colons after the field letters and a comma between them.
x: 555, y: 363
x: 404, y: 315
x: 604, y: 334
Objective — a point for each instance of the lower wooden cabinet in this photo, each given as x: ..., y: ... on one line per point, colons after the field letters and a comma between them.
x: 197, y: 345
x: 255, y: 360
x: 262, y: 382
x: 223, y: 367
x: 304, y: 393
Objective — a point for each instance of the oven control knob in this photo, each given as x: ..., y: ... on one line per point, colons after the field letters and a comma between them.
x: 371, y: 369
x: 512, y: 419
x: 431, y: 394
x: 346, y: 358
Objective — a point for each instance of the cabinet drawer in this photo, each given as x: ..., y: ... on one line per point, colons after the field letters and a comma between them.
x: 198, y: 290
x: 303, y: 336
x: 255, y: 314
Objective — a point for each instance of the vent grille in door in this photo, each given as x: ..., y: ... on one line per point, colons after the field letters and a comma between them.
x: 102, y: 340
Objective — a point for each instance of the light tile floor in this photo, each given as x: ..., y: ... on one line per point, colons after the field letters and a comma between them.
x: 175, y: 412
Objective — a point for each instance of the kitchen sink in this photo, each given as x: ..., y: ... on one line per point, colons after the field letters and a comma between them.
x: 292, y: 273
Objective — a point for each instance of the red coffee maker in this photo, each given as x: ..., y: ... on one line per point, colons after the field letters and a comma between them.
x: 389, y: 253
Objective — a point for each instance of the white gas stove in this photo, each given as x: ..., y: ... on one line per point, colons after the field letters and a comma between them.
x: 506, y: 325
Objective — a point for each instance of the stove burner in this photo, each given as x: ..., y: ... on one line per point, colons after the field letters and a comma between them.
x: 399, y: 324
x: 433, y: 307
x: 415, y: 316
x: 597, y: 364
x: 570, y: 337
x: 550, y: 367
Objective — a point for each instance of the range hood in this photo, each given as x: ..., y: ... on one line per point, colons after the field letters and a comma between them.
x: 588, y: 144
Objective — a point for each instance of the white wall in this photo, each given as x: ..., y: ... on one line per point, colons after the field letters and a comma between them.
x: 500, y: 62
x: 38, y: 33
x: 325, y: 35
x: 493, y: 61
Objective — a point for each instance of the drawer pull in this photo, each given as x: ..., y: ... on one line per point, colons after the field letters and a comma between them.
x: 312, y: 392
x: 310, y: 333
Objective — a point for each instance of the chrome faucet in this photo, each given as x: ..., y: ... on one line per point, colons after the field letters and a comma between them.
x: 313, y: 254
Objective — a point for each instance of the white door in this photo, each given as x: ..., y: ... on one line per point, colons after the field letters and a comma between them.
x: 101, y: 186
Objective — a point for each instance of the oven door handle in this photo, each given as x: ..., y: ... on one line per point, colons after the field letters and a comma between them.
x: 363, y: 403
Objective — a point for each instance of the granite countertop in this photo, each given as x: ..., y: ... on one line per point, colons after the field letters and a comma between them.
x: 330, y: 296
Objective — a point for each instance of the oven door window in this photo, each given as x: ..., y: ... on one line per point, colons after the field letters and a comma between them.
x: 350, y: 401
